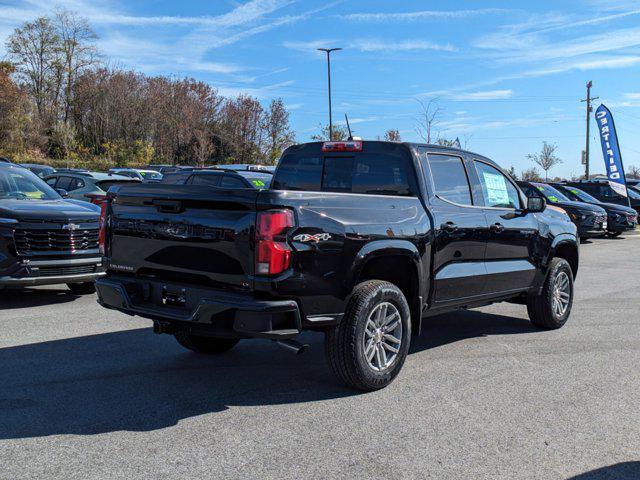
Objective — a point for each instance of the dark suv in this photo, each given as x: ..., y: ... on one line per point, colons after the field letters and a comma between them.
x: 591, y: 220
x: 619, y: 218
x: 45, y: 239
x: 601, y: 190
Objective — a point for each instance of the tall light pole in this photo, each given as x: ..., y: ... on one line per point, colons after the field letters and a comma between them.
x: 588, y: 101
x: 328, y: 52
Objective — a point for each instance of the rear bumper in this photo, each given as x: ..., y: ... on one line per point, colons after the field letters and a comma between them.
x: 53, y: 272
x: 205, y: 311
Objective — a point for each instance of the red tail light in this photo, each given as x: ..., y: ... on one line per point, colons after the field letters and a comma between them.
x: 102, y: 235
x: 96, y: 199
x: 273, y: 254
x: 350, y: 146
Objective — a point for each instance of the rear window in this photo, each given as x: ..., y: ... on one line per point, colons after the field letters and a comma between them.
x: 107, y: 184
x: 384, y: 173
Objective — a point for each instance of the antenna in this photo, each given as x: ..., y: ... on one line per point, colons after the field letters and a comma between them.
x: 348, y: 127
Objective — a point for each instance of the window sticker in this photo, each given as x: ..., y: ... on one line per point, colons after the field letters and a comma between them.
x: 496, y: 186
x: 257, y: 182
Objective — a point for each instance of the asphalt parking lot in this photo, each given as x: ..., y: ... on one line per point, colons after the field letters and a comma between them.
x: 89, y: 393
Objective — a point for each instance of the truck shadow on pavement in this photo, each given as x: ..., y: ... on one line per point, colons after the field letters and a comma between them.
x: 13, y: 298
x: 618, y: 471
x: 134, y: 380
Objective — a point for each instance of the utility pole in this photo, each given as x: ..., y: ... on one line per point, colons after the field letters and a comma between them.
x: 588, y: 100
x: 328, y: 52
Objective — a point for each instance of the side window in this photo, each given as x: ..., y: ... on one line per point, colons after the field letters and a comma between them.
x: 52, y: 181
x: 531, y: 192
x: 497, y: 190
x: 64, y: 183
x: 232, y: 182
x: 207, y: 179
x: 75, y: 184
x: 450, y: 178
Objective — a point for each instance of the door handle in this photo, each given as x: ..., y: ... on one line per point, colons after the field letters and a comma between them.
x: 497, y: 228
x: 449, y: 227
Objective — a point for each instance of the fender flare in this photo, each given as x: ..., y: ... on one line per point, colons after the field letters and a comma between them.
x: 563, y: 239
x: 384, y: 248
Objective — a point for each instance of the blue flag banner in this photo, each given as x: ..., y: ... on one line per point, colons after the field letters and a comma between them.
x: 611, y: 151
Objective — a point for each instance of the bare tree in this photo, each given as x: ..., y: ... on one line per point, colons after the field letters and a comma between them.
x: 428, y: 119
x: 77, y: 50
x: 33, y: 48
x: 546, y: 159
x: 531, y: 175
x: 633, y: 171
x: 204, y: 147
x: 392, y: 135
x: 278, y: 132
x: 512, y: 173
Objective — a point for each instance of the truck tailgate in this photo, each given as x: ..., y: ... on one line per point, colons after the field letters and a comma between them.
x: 184, y: 233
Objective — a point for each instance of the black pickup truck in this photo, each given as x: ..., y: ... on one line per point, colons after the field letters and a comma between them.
x: 360, y: 240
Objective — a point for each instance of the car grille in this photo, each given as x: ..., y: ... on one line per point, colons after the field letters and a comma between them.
x: 71, y: 270
x: 600, y: 219
x: 44, y: 240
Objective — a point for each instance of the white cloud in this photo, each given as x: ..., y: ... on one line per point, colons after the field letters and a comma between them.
x: 632, y: 96
x: 419, y: 15
x: 258, y: 92
x: 583, y: 65
x: 483, y: 95
x: 375, y: 45
x: 371, y: 45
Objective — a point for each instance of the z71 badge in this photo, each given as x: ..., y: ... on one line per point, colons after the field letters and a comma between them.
x: 318, y: 237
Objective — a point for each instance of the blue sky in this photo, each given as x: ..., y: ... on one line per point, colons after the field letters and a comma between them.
x: 507, y: 74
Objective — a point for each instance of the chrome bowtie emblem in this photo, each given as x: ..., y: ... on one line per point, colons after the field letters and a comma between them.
x: 70, y: 226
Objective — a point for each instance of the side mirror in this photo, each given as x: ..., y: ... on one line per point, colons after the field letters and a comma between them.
x: 536, y: 204
x: 62, y: 192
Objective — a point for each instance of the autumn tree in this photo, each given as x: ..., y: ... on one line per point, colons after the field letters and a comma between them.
x: 392, y: 135
x: 339, y: 133
x: 546, y: 159
x: 531, y: 175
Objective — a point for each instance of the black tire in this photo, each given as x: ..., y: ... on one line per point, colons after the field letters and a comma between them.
x: 345, y: 343
x: 541, y: 307
x: 583, y: 239
x: 614, y: 234
x: 84, y: 288
x: 205, y: 345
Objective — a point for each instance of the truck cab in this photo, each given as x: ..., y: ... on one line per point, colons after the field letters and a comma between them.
x: 358, y: 239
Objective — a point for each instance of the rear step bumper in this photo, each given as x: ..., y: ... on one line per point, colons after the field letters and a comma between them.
x: 205, y: 311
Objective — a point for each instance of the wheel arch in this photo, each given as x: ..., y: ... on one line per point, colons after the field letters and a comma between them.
x: 395, y: 261
x: 566, y: 247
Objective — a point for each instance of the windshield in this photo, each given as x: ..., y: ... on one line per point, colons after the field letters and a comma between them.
x: 106, y: 184
x: 550, y: 193
x: 21, y: 184
x: 150, y: 175
x: 580, y: 195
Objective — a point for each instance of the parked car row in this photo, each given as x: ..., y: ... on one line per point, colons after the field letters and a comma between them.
x: 592, y: 216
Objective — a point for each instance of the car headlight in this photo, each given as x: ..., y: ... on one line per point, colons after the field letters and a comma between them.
x: 8, y: 221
